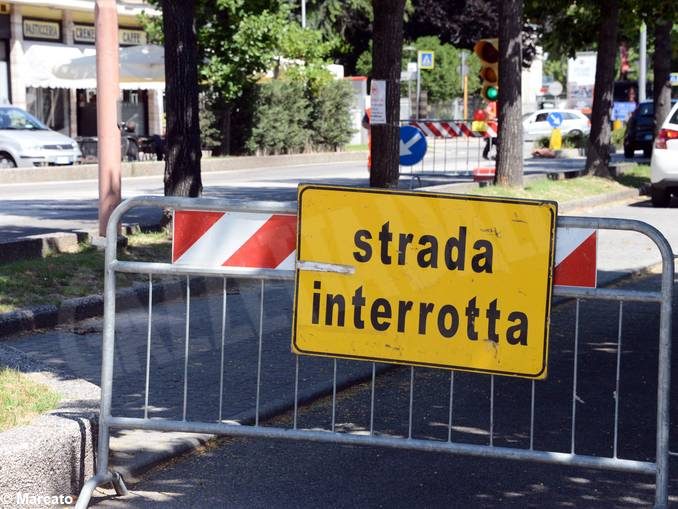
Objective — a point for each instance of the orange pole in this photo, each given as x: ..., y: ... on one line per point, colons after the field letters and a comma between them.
x: 108, y: 93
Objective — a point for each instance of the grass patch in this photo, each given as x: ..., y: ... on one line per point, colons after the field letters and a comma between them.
x: 568, y: 189
x: 66, y: 275
x: 637, y: 177
x: 21, y: 399
x: 361, y: 147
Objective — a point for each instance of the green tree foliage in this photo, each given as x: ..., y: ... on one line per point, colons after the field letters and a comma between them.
x: 459, y: 22
x: 555, y: 67
x: 304, y: 57
x: 282, y: 111
x: 348, y: 23
x: 290, y: 116
x: 331, y: 125
x: 444, y: 81
x: 238, y: 41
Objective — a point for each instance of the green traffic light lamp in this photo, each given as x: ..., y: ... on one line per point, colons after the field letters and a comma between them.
x: 492, y: 93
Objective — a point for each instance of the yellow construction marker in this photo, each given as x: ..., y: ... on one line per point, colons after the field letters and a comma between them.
x: 556, y: 141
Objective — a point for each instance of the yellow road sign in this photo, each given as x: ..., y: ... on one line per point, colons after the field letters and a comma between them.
x: 424, y: 279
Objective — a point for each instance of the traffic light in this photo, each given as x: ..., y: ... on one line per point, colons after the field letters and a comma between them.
x: 488, y: 52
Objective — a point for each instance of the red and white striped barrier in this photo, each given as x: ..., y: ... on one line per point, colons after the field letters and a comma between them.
x: 234, y: 239
x: 575, y: 263
x: 268, y: 241
x: 449, y: 129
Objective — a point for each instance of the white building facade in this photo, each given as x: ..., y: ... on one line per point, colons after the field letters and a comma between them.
x: 36, y: 36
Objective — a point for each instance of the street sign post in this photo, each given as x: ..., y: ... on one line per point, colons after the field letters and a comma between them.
x: 425, y: 60
x: 424, y: 279
x: 412, y: 145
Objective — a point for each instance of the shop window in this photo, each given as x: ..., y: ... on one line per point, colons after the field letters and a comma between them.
x: 51, y: 106
x: 134, y: 110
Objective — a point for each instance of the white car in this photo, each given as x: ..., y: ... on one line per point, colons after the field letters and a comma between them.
x: 25, y: 141
x: 536, y: 125
x: 664, y: 162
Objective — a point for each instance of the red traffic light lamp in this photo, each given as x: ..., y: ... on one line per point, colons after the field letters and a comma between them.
x: 488, y: 52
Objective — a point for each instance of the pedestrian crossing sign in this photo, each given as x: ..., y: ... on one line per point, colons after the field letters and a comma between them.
x: 426, y: 59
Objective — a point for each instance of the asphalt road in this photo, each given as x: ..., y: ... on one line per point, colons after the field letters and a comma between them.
x: 40, y: 208
x: 273, y: 473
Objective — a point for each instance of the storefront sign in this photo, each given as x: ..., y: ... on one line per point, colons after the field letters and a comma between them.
x: 131, y: 37
x: 84, y: 33
x: 47, y: 30
x: 126, y: 36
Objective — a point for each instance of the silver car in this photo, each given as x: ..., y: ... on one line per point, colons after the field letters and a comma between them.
x: 25, y: 141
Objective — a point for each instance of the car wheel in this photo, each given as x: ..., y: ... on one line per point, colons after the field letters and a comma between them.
x: 6, y: 161
x: 660, y: 197
x: 628, y: 152
x: 575, y: 133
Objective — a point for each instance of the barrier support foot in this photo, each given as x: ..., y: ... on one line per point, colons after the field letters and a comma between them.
x: 98, y: 480
x: 119, y: 485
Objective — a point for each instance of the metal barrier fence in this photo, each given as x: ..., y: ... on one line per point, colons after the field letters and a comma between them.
x: 538, y: 417
x: 454, y: 149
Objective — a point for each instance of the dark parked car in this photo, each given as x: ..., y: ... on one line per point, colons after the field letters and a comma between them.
x: 640, y: 130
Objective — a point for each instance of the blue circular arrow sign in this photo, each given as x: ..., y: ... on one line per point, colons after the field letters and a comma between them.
x: 412, y: 145
x: 554, y: 119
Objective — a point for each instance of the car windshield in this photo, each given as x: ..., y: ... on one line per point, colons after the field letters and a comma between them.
x: 14, y: 118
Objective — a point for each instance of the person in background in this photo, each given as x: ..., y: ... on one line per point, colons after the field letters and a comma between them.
x: 366, y: 125
x: 490, y: 116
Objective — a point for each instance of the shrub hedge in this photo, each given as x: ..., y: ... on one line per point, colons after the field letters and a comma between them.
x: 290, y: 118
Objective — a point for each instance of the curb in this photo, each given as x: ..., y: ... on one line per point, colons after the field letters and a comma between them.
x: 81, y: 308
x: 54, y: 454
x: 598, y: 200
x: 151, y: 168
x: 39, y: 246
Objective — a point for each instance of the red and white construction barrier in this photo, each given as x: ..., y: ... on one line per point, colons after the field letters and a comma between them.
x: 450, y: 129
x: 575, y: 263
x: 234, y: 239
x: 268, y: 241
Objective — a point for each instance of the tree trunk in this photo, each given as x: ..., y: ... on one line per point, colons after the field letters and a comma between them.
x: 226, y: 130
x: 661, y: 62
x: 510, y: 150
x: 598, y: 153
x: 386, y: 56
x: 182, y: 166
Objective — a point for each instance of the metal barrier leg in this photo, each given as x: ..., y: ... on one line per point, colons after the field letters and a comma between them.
x: 661, y: 499
x: 103, y: 475
x: 89, y: 487
x: 119, y: 485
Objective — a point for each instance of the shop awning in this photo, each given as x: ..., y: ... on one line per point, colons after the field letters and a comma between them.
x: 60, y: 66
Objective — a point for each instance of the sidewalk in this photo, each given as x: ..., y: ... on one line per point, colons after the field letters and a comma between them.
x: 74, y: 351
